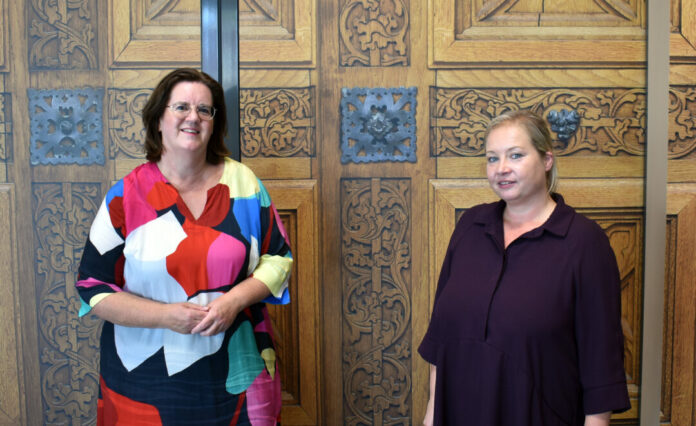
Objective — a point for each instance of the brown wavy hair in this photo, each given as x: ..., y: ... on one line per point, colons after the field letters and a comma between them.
x: 153, y: 111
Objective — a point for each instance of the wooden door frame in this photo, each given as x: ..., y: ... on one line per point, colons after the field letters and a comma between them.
x: 658, y: 31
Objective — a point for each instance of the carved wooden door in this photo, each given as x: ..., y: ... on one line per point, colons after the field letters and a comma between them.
x: 406, y: 91
x: 74, y: 77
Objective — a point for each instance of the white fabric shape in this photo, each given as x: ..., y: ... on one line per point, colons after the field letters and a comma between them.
x: 182, y: 350
x: 102, y: 233
x: 145, y: 273
x: 253, y: 255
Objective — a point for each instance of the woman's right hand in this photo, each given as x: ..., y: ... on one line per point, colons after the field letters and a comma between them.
x: 129, y: 310
x: 183, y: 317
x: 430, y: 409
x: 429, y: 413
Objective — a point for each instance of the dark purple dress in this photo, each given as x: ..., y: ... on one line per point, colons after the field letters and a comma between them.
x: 531, y: 334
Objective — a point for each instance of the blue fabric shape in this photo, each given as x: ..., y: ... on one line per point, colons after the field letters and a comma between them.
x: 114, y: 191
x: 263, y: 196
x: 247, y: 212
x: 84, y: 309
x: 284, y: 299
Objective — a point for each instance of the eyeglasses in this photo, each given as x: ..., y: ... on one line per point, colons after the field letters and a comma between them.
x: 182, y: 109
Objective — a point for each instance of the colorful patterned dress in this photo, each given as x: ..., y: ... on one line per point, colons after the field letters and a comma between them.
x: 145, y: 241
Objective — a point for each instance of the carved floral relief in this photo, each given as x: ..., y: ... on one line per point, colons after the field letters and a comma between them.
x: 62, y: 34
x: 601, y: 121
x: 68, y: 345
x: 682, y: 121
x: 376, y: 283
x: 374, y: 33
x: 126, y: 132
x: 277, y: 122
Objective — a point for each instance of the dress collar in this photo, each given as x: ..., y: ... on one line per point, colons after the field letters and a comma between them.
x: 491, y: 217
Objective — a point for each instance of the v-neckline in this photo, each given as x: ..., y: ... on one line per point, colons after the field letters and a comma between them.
x: 181, y: 203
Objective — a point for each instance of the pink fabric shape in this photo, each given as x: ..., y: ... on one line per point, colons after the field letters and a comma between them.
x: 265, y: 325
x: 264, y: 400
x: 138, y: 210
x: 91, y: 282
x: 223, y: 268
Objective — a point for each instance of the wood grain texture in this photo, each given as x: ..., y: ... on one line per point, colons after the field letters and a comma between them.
x: 682, y: 41
x: 142, y: 34
x: 679, y: 397
x: 11, y: 361
x: 282, y: 33
x: 280, y: 168
x: 541, y: 78
x: 568, y: 167
x: 299, y: 198
x: 466, y: 33
x: 4, y: 48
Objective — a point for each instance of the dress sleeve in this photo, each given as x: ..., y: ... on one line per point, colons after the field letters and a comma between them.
x: 275, y: 257
x: 430, y: 343
x: 101, y: 268
x: 598, y: 326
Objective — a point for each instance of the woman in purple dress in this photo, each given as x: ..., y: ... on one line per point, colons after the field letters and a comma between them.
x: 526, y: 322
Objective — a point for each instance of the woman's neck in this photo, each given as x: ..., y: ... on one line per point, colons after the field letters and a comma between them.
x: 184, y: 171
x: 535, y: 212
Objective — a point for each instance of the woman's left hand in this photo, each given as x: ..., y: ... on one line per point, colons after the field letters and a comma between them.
x: 224, y: 309
x: 221, y: 314
x: 601, y: 419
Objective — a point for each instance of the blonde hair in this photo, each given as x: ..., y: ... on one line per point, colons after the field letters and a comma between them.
x: 538, y: 131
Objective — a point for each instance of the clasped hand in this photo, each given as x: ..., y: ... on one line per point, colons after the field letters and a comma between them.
x: 216, y: 317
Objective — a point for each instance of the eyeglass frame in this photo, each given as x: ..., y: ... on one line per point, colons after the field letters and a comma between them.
x: 213, y: 110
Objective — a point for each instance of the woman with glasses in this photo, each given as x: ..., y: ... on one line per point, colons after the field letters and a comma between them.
x: 181, y: 257
x: 526, y: 322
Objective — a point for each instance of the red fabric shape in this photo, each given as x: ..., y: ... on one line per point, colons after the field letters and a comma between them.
x: 117, y: 215
x: 267, y: 238
x: 162, y: 195
x: 116, y: 409
x: 188, y: 264
x: 217, y: 206
x: 118, y: 272
x: 238, y: 411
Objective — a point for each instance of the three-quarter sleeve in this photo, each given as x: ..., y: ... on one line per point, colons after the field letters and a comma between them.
x: 101, y: 268
x: 431, y: 341
x: 598, y: 325
x: 275, y: 259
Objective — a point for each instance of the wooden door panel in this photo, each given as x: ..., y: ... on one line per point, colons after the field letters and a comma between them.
x: 682, y: 42
x: 153, y: 33
x: 679, y: 358
x: 5, y: 132
x: 616, y: 205
x: 278, y: 123
x: 12, y: 402
x: 277, y: 32
x: 3, y: 36
x: 681, y: 149
x: 298, y: 323
x: 68, y: 346
x: 468, y: 33
x: 61, y: 35
x: 167, y: 33
x: 466, y: 58
x: 607, y: 130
